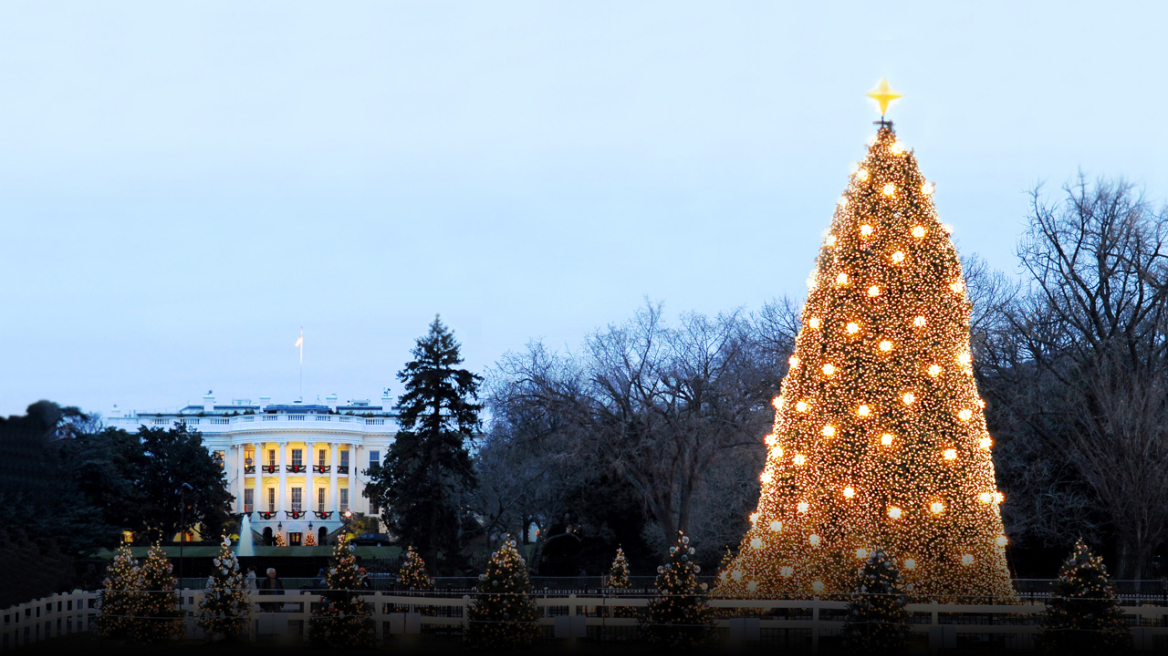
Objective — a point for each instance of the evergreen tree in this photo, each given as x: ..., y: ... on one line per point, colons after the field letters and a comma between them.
x: 618, y: 574
x: 119, y: 595
x: 226, y: 605
x: 157, y: 617
x: 343, y: 618
x: 678, y: 616
x: 310, y: 539
x: 428, y: 463
x: 1083, y: 615
x: 877, y: 619
x: 504, y: 613
x: 412, y: 574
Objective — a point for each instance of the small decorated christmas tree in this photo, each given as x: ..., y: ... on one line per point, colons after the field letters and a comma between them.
x: 877, y: 619
x: 310, y: 540
x: 280, y: 542
x: 412, y: 574
x: 678, y: 616
x: 618, y: 574
x: 226, y: 605
x: 1083, y: 615
x: 344, y: 618
x: 119, y: 595
x: 157, y: 617
x: 504, y: 613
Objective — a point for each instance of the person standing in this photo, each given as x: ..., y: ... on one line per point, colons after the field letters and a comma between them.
x: 269, y: 586
x: 250, y: 579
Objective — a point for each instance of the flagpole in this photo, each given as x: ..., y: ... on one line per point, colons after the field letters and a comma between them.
x: 301, y: 363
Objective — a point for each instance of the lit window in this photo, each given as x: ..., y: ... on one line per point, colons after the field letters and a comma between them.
x: 756, y: 543
x: 967, y: 559
x: 787, y: 571
x: 910, y: 564
x: 776, y: 526
x: 753, y: 517
x: 1001, y: 541
x: 861, y: 553
x: 813, y: 539
x: 818, y: 585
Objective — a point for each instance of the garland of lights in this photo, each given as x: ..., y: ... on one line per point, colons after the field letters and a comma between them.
x: 226, y: 605
x: 879, y: 438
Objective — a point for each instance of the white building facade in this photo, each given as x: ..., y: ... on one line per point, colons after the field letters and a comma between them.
x: 294, y: 469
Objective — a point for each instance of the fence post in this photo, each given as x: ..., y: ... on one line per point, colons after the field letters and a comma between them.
x: 815, y: 625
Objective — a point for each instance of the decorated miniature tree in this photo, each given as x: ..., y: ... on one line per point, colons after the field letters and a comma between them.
x: 877, y: 620
x: 226, y: 606
x: 343, y: 618
x: 412, y: 573
x: 678, y: 617
x: 157, y: 617
x: 504, y: 613
x: 618, y: 574
x: 310, y: 540
x: 879, y: 435
x: 280, y: 541
x: 1083, y: 615
x: 119, y: 595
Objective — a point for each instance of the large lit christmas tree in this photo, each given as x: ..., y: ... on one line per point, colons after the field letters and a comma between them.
x: 226, y: 605
x: 119, y: 595
x: 879, y: 436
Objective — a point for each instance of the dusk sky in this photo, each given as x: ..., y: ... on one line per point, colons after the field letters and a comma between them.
x: 183, y: 185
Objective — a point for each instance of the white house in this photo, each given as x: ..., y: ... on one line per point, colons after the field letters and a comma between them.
x: 294, y: 468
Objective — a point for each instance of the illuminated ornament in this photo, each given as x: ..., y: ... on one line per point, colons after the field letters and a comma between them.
x: 779, y: 452
x: 985, y: 443
x: 800, y: 459
x: 863, y: 411
x: 885, y: 345
x: 736, y: 575
x: 981, y: 404
x: 849, y: 492
x: 787, y: 571
x: 897, y: 148
x: 934, y: 370
x: 861, y: 553
x: 874, y: 290
x: 830, y: 240
x: 957, y: 287
x: 999, y: 497
x: 829, y: 431
x: 766, y: 477
x: 889, y: 189
x: 967, y: 559
x: 776, y: 526
x: 965, y: 415
x: 841, y: 279
x: 985, y: 497
x: 813, y: 322
x: 843, y: 202
x: 1001, y: 541
x: 753, y: 517
x: 803, y: 506
x: 814, y: 540
x: 927, y: 188
x: 801, y: 406
x: 812, y: 283
x: 777, y: 402
x: 884, y: 95
x: 898, y: 257
x: 937, y: 508
x: 910, y: 564
x: 817, y: 586
x: 908, y: 398
x: 950, y: 454
x: 918, y: 322
x: 752, y: 586
x: 964, y: 357
x: 756, y: 543
x: 886, y: 439
x: 852, y: 328
x: 794, y: 361
x: 862, y: 175
x: 770, y: 440
x: 866, y: 230
x: 829, y: 369
x: 918, y: 232
x: 894, y: 512
x: 854, y: 168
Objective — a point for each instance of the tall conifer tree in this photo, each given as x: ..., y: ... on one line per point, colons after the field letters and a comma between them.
x: 429, y: 465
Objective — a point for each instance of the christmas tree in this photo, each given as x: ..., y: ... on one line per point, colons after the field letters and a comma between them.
x: 226, y: 605
x: 343, y: 618
x: 119, y: 595
x: 412, y: 574
x: 1083, y: 616
x: 504, y: 613
x: 280, y: 542
x: 618, y: 574
x: 310, y: 540
x: 157, y: 617
x: 877, y: 619
x: 879, y: 435
x: 678, y: 616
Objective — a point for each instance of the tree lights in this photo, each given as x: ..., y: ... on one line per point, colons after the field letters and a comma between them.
x: 225, y: 608
x: 504, y: 613
x: 878, y: 412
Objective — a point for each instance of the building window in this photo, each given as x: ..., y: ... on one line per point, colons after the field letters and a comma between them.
x: 374, y: 459
x: 297, y: 457
x: 219, y: 458
x: 345, y: 458
x: 321, y: 497
x: 271, y: 499
x: 322, y: 457
x: 271, y: 457
x: 297, y: 493
x: 248, y: 500
x: 373, y: 509
x: 344, y: 499
x: 295, y: 539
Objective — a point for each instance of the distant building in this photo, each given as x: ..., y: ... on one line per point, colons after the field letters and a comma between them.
x: 294, y: 468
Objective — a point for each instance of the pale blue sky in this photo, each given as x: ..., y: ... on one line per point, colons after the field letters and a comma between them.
x: 184, y: 184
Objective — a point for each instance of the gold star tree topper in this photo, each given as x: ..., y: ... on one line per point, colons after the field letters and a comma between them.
x: 884, y: 95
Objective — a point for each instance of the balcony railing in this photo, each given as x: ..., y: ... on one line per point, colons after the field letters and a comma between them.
x: 249, y: 469
x: 295, y: 514
x: 343, y: 469
x: 321, y: 469
x: 248, y: 508
x: 270, y: 469
x: 268, y: 515
x: 245, y: 422
x: 322, y: 514
x: 295, y: 469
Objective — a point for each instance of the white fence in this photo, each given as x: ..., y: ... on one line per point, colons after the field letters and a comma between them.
x: 793, y: 624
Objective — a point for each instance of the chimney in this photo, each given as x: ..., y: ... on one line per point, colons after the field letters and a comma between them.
x: 115, y: 412
x: 386, y: 402
x: 208, y: 402
x: 331, y: 400
x: 265, y: 401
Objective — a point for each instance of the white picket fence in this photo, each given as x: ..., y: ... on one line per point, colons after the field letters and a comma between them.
x: 567, y: 617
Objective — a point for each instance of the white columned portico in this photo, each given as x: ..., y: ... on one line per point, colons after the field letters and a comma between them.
x: 333, y: 499
x: 282, y: 492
